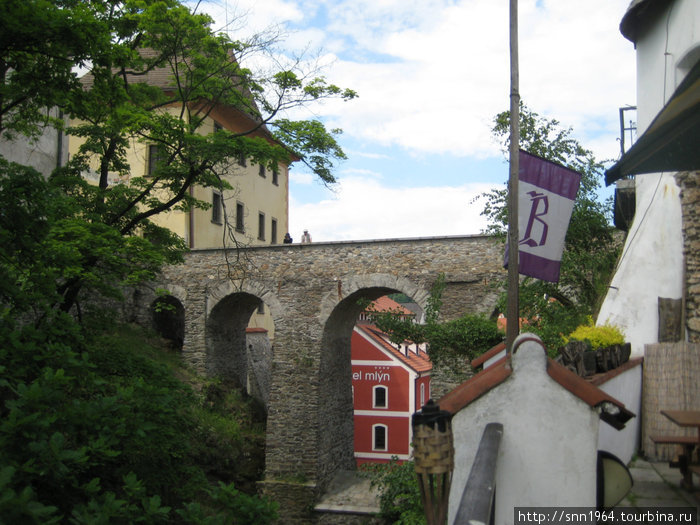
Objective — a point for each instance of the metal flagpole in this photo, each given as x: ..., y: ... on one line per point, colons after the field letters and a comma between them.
x: 512, y: 310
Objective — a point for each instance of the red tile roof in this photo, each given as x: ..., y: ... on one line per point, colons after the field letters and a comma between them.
x: 475, y: 387
x: 387, y: 304
x: 417, y: 361
x: 613, y: 411
x: 478, y: 361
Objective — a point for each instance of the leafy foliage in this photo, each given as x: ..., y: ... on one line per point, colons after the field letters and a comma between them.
x: 465, y: 337
x: 156, y: 75
x: 399, y: 494
x: 48, y: 246
x: 597, y: 336
x: 93, y: 429
x: 591, y: 250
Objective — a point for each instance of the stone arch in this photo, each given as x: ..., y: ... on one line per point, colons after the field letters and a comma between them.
x: 231, y: 352
x: 335, y: 438
x: 221, y: 290
x: 168, y: 319
x: 349, y: 285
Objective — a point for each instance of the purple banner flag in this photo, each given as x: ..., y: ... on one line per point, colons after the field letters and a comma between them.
x: 546, y: 195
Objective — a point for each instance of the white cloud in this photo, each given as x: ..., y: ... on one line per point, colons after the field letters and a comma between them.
x: 363, y: 205
x: 431, y: 75
x: 438, y: 82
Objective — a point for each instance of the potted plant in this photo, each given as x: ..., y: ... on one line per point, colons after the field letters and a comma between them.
x: 608, y: 349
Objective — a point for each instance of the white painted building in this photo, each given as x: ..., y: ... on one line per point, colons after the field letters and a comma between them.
x: 666, y: 35
x: 550, y: 417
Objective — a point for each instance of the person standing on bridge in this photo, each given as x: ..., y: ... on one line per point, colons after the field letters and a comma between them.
x: 287, y: 239
x: 306, y: 238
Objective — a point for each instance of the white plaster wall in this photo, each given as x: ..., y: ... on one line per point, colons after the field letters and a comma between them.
x: 652, y: 264
x: 626, y: 388
x: 548, y: 450
x: 39, y: 153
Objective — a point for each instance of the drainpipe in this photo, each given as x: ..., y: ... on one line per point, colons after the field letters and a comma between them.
x: 59, y: 143
x: 191, y: 222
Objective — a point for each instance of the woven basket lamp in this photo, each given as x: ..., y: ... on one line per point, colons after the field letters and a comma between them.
x: 433, y: 454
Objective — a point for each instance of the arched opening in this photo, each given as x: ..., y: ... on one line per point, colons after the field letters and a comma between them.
x: 168, y: 316
x: 239, y: 356
x: 339, y: 394
x: 390, y: 376
x: 239, y: 344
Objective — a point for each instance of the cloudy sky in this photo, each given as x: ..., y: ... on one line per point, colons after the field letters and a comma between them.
x: 431, y: 75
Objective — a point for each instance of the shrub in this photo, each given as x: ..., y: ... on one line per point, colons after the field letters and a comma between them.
x: 598, y: 336
x: 93, y: 429
x: 399, y: 495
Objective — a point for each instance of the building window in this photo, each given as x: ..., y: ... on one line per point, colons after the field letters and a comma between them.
x: 273, y: 231
x: 240, y: 211
x: 156, y: 155
x: 380, y: 397
x: 422, y: 394
x: 261, y: 308
x: 216, y: 207
x: 275, y: 175
x: 261, y: 170
x: 379, y: 440
x: 261, y: 226
x: 242, y: 160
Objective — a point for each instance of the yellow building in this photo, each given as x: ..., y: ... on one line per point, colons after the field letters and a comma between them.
x: 256, y: 208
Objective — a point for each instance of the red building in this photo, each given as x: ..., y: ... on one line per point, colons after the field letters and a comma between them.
x: 390, y: 382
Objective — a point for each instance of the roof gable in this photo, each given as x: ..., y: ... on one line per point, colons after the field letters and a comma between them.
x: 612, y: 411
x: 417, y: 361
x: 365, y: 348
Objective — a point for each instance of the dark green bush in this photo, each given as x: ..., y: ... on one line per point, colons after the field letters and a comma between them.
x: 399, y: 494
x: 94, y: 431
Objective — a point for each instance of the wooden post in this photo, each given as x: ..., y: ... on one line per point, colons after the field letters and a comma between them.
x: 513, y: 310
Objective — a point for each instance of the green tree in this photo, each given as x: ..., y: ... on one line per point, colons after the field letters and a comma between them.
x: 41, y: 41
x: 591, y: 250
x: 88, y: 432
x: 121, y: 44
x: 448, y: 341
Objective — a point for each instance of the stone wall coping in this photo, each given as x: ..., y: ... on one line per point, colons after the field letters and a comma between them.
x: 298, y: 245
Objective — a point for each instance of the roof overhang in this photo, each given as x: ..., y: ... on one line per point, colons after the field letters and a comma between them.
x: 670, y: 143
x: 637, y: 16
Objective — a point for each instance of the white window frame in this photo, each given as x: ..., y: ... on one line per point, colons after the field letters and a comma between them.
x: 375, y: 388
x: 375, y: 428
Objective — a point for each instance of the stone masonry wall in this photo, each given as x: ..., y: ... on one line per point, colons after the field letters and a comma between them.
x: 689, y: 183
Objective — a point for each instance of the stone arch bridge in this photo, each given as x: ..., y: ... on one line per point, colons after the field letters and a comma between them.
x: 312, y: 292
